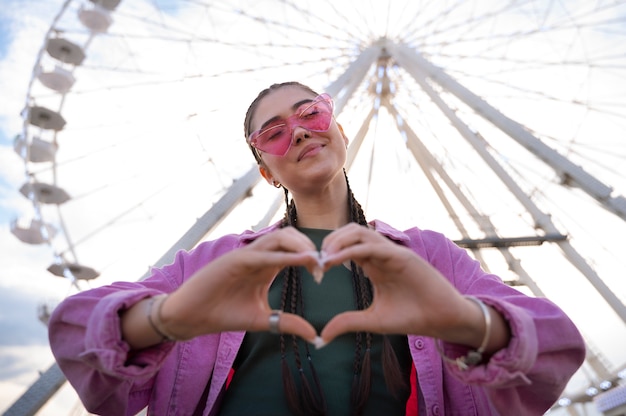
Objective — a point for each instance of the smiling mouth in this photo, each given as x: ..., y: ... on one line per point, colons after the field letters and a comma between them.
x: 308, y: 150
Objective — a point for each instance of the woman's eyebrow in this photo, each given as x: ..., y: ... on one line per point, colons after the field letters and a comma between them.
x: 299, y: 103
x: 293, y: 107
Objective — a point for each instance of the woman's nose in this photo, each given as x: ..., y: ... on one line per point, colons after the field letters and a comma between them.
x: 299, y: 134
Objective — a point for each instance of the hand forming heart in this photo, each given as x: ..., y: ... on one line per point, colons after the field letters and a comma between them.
x: 230, y: 293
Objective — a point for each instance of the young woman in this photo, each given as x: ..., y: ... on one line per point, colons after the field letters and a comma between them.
x: 323, y: 313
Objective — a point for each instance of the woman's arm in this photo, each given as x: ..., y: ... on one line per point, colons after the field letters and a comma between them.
x: 544, y: 350
x: 421, y: 288
x: 86, y: 340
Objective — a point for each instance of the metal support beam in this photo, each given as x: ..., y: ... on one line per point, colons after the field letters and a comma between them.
x: 344, y: 86
x: 509, y: 241
x: 410, y: 58
x: 427, y: 161
x: 38, y: 393
x: 238, y: 191
x: 49, y: 382
x: 414, y: 64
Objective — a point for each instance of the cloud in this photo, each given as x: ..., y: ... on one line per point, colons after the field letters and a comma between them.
x: 18, y: 362
x: 18, y: 318
x: 21, y: 367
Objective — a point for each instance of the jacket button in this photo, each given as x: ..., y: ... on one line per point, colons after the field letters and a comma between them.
x: 419, y: 343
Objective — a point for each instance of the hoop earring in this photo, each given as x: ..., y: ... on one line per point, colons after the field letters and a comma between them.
x: 277, y: 184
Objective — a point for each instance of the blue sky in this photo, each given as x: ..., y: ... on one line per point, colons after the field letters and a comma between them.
x: 23, y: 343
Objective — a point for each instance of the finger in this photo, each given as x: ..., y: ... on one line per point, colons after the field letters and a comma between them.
x: 351, y: 321
x: 357, y: 253
x: 350, y: 235
x: 341, y: 237
x: 257, y: 260
x: 286, y: 239
x: 289, y: 323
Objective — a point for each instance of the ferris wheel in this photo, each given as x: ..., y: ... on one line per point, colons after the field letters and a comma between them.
x: 501, y: 124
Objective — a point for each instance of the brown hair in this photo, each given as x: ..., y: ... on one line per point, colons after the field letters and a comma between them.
x: 309, y: 400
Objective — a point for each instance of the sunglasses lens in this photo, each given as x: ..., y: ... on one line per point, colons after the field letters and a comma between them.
x: 276, y: 138
x: 316, y: 117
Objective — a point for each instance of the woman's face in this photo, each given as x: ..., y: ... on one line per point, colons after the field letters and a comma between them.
x: 313, y: 157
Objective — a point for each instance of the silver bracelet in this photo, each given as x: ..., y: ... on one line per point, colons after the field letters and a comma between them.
x: 155, y: 321
x: 473, y: 357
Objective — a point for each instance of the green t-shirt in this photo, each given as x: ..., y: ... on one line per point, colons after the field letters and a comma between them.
x: 257, y: 389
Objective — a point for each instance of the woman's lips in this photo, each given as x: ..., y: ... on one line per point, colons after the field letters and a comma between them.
x: 310, y: 150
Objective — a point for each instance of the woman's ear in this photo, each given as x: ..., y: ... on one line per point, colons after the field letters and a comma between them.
x: 268, y: 176
x: 265, y: 173
x: 345, y: 138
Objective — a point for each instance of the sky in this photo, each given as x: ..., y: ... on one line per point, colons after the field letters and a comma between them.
x: 23, y: 346
x: 153, y: 138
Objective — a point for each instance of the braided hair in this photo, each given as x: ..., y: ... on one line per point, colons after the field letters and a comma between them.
x: 309, y: 399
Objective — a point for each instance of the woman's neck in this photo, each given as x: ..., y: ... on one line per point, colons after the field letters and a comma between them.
x: 325, y: 210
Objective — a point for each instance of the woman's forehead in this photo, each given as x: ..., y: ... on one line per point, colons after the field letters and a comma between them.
x: 279, y: 103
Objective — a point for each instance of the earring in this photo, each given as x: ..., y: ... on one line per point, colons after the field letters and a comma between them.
x: 276, y: 184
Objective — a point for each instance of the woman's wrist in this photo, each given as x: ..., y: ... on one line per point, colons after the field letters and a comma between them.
x: 143, y: 326
x: 484, y: 335
x: 153, y: 314
x: 136, y: 329
x: 475, y: 355
x: 155, y: 318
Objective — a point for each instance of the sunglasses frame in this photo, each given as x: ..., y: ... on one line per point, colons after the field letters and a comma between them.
x: 292, y: 122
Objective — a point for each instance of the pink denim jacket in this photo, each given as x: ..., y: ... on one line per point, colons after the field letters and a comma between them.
x: 188, y: 378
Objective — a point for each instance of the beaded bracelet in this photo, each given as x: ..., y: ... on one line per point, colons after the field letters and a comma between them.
x: 155, y: 323
x: 473, y: 357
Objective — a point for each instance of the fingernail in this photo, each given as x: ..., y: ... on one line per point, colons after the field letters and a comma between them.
x: 318, y: 274
x: 321, y: 258
x: 319, y: 343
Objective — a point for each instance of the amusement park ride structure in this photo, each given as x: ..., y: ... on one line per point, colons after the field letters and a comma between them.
x: 368, y: 73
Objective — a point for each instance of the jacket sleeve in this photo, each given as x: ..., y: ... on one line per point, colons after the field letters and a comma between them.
x: 85, y: 336
x: 545, y: 349
x: 86, y: 341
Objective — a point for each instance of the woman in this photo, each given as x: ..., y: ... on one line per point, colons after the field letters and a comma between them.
x: 322, y: 313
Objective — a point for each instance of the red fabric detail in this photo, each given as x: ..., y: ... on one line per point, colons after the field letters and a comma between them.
x: 411, y: 404
x: 230, y: 377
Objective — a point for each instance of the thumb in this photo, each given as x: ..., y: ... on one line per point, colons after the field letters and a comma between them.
x: 296, y: 325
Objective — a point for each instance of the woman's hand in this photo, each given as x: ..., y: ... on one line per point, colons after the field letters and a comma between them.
x: 231, y: 292
x: 410, y: 296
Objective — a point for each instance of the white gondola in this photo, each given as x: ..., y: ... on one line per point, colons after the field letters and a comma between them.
x: 45, y: 193
x: 37, y: 232
x: 37, y: 151
x: 57, y: 79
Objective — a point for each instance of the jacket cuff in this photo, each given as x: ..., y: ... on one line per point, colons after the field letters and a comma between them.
x: 107, y: 351
x: 508, y: 366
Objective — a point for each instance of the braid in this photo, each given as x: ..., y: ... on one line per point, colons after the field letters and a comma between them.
x: 289, y: 385
x: 291, y: 216
x: 311, y: 401
x: 308, y: 401
x: 315, y: 403
x: 364, y: 295
x: 362, y: 379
